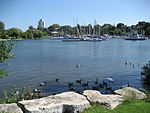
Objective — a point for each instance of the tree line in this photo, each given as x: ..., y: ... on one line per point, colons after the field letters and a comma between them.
x: 58, y: 30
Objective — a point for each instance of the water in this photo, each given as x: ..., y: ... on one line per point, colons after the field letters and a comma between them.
x: 44, y: 60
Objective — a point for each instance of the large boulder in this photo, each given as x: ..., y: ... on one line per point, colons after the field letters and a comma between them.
x: 10, y: 108
x: 110, y: 101
x: 67, y: 102
x: 131, y: 92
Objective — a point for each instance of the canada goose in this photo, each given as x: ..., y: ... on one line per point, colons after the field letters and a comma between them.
x: 70, y: 84
x: 95, y: 88
x: 96, y: 81
x: 101, y: 85
x: 104, y: 83
x: 72, y: 88
x: 126, y: 62
x: 57, y: 80
x: 108, y: 88
x: 85, y: 84
x: 126, y: 85
x: 78, y: 65
x: 78, y: 81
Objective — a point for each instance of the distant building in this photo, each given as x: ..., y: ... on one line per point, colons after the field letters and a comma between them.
x: 41, y: 23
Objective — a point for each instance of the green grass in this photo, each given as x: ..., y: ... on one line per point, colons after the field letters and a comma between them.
x: 138, y: 106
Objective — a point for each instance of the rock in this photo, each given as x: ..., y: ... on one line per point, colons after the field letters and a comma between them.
x: 114, y: 100
x: 10, y: 108
x: 67, y: 102
x: 110, y: 101
x: 131, y: 92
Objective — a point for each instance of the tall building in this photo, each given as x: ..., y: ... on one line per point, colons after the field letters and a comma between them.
x: 41, y: 23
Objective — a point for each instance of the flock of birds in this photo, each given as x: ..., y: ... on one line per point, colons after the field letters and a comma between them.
x: 104, y: 84
x: 95, y: 85
x: 133, y: 64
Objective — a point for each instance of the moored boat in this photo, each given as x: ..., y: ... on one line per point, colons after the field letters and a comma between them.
x: 135, y: 36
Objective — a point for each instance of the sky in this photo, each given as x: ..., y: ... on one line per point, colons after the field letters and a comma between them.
x: 24, y: 13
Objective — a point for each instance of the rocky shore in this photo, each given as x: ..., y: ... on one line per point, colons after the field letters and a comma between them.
x: 72, y: 102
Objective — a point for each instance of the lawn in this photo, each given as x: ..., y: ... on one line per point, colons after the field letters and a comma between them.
x: 138, y: 106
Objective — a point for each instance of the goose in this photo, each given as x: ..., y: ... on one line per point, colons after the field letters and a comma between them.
x: 86, y: 84
x: 70, y: 84
x: 108, y: 88
x: 126, y: 85
x: 57, y: 80
x: 96, y: 81
x: 72, y: 88
x: 101, y: 85
x: 78, y: 81
x: 126, y: 62
x: 78, y: 65
x: 104, y: 83
x: 95, y: 88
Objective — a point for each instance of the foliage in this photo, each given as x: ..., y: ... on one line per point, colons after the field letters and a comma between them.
x: 2, y: 26
x: 14, y: 96
x: 5, y: 49
x: 138, y: 106
x: 14, y: 33
x: 146, y: 70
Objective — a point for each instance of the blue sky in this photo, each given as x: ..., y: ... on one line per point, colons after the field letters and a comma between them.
x: 23, y: 13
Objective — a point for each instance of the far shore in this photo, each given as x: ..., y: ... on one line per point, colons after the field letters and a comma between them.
x: 21, y: 39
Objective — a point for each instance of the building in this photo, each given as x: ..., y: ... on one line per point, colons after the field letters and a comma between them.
x: 41, y: 23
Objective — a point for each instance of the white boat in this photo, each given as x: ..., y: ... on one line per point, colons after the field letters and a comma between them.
x: 90, y: 39
x: 71, y: 39
x: 135, y: 36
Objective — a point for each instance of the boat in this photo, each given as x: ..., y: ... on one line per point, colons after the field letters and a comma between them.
x: 135, y: 36
x: 71, y: 39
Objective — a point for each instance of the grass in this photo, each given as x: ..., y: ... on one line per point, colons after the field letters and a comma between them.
x: 137, y: 106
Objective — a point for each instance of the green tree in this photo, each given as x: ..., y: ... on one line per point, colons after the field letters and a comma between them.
x: 146, y: 71
x: 2, y: 26
x: 14, y: 33
x: 120, y: 25
x: 5, y: 49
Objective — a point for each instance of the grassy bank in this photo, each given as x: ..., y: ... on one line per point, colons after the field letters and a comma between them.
x: 138, y: 106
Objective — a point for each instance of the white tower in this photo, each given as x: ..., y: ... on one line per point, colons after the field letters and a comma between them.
x: 41, y: 23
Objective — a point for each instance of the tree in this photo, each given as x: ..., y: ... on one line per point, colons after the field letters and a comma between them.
x: 2, y: 26
x: 146, y: 72
x: 120, y: 25
x: 5, y: 49
x: 14, y: 33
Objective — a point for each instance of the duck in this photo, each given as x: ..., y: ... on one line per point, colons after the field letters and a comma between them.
x: 42, y: 83
x: 37, y: 91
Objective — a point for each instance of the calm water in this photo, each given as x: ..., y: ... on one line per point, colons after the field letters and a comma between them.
x: 44, y: 60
